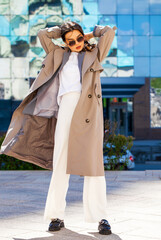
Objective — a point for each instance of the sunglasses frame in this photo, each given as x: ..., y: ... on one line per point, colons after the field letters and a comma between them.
x: 74, y: 42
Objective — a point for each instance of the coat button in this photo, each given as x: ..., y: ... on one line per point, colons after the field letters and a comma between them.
x: 43, y: 65
x: 89, y: 95
x: 91, y: 69
x: 98, y: 95
x: 87, y: 120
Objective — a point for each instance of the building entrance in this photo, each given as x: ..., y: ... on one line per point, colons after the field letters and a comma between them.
x: 118, y: 112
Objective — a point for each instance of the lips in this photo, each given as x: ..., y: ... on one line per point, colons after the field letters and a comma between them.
x: 78, y: 47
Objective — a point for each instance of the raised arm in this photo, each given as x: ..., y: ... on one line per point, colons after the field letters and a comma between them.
x: 106, y: 36
x: 45, y: 36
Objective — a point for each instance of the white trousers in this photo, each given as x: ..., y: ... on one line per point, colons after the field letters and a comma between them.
x: 94, y: 188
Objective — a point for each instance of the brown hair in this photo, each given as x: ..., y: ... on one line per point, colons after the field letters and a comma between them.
x: 70, y: 26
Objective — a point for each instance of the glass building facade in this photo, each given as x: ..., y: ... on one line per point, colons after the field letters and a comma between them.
x: 135, y: 54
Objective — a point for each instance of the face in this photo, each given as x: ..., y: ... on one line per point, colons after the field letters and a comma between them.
x: 74, y: 36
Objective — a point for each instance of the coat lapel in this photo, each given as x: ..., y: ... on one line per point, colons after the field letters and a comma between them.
x: 85, y: 59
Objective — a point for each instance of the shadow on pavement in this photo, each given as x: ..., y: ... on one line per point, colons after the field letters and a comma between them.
x: 66, y: 234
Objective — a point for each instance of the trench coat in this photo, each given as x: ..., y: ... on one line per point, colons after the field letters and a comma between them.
x: 30, y: 135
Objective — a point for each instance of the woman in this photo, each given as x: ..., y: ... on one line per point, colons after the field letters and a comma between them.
x: 59, y: 124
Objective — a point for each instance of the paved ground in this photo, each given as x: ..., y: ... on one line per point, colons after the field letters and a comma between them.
x: 134, y: 206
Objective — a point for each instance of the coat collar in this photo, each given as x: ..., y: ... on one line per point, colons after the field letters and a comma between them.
x: 85, y: 59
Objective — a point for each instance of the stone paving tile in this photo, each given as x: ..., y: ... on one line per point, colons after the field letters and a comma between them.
x: 134, y: 202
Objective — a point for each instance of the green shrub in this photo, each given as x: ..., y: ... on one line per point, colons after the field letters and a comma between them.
x: 121, y: 143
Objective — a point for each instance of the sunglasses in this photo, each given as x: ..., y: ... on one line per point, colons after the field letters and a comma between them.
x: 73, y: 42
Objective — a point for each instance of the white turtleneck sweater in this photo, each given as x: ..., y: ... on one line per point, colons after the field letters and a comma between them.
x: 69, y: 77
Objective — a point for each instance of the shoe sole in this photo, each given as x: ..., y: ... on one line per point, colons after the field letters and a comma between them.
x: 105, y: 232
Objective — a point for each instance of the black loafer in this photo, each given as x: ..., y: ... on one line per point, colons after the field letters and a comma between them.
x: 56, y: 224
x: 104, y: 227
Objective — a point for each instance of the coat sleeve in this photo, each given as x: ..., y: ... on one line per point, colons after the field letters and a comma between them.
x: 45, y: 36
x: 106, y: 36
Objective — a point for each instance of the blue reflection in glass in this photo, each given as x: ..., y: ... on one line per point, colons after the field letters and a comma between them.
x: 155, y: 69
x: 107, y: 7
x: 125, y: 61
x: 4, y: 26
x: 107, y: 20
x: 125, y: 25
x: 67, y: 5
x: 141, y: 25
x: 155, y: 6
x: 124, y: 6
x: 141, y: 46
x: 89, y: 22
x: 90, y: 8
x: 141, y: 6
x: 155, y: 46
x: 155, y: 27
x: 125, y: 46
x: 141, y: 67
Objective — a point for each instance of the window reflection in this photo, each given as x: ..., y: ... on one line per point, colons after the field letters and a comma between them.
x: 155, y: 98
x: 155, y: 28
x: 5, y: 89
x: 125, y: 46
x: 124, y: 6
x: 141, y: 46
x: 108, y: 7
x: 141, y: 6
x: 125, y: 25
x: 135, y: 50
x: 155, y: 6
x: 141, y: 25
x: 155, y: 69
x: 141, y: 66
x: 125, y: 66
x: 155, y: 46
x: 5, y: 47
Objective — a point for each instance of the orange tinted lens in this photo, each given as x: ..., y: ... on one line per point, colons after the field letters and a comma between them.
x: 80, y: 39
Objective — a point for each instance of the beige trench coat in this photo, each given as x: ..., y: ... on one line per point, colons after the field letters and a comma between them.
x: 30, y: 135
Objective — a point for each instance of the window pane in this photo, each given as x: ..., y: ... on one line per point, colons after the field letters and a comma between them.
x: 37, y: 7
x: 155, y: 99
x: 155, y: 6
x: 107, y: 7
x: 125, y: 66
x: 4, y: 7
x: 5, y: 65
x: 141, y: 25
x: 20, y: 88
x: 125, y: 46
x: 141, y: 6
x: 4, y: 26
x: 19, y: 7
x: 125, y: 26
x: 5, y: 89
x: 90, y: 7
x: 141, y: 46
x: 124, y: 6
x: 141, y: 67
x: 155, y: 28
x: 155, y: 46
x: 20, y: 46
x: 19, y: 25
x: 110, y: 67
x: 155, y: 70
x: 20, y: 67
x: 5, y: 47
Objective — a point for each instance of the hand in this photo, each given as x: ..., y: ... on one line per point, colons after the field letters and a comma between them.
x: 114, y: 28
x: 88, y: 36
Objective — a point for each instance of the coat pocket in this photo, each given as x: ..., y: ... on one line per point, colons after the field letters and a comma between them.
x: 98, y: 93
